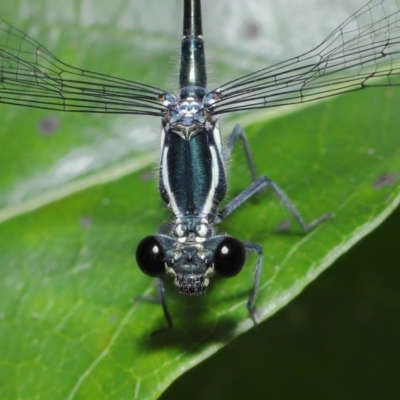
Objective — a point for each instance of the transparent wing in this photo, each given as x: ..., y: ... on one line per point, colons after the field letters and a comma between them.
x: 364, y: 47
x: 31, y: 76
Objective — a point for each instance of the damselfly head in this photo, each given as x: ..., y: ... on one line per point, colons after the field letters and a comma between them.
x: 193, y: 263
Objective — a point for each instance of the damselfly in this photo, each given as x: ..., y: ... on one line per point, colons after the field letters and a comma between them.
x: 360, y: 53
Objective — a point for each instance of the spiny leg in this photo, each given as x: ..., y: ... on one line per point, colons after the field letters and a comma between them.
x: 161, y: 296
x: 239, y: 134
x: 160, y: 299
x: 256, y: 187
x: 259, y: 184
x: 256, y: 248
x: 253, y: 189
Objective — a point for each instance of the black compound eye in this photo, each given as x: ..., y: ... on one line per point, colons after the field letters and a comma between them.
x: 150, y: 256
x: 229, y: 257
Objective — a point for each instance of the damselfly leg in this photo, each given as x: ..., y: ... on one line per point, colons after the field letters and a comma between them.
x: 257, y: 185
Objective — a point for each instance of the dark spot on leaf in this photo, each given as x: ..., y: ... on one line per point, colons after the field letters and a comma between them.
x: 385, y: 180
x: 251, y: 29
x: 48, y: 125
x: 85, y: 222
x: 283, y: 226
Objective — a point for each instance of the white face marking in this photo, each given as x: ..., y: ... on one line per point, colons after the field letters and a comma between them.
x: 203, y: 230
x: 179, y: 231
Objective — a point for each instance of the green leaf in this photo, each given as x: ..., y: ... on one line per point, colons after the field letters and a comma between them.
x: 76, y: 203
